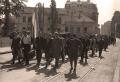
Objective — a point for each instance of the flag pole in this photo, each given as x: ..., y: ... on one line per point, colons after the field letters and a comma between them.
x: 43, y: 17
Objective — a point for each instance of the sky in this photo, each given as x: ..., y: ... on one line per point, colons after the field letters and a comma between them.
x: 106, y: 8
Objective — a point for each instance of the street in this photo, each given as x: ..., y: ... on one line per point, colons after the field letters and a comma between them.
x: 97, y: 70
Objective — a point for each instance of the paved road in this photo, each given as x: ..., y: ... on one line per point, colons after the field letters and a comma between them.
x: 98, y: 70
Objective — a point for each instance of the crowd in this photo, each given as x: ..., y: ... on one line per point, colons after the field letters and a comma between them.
x: 56, y: 46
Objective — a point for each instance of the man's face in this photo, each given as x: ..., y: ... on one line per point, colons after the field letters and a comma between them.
x: 25, y: 34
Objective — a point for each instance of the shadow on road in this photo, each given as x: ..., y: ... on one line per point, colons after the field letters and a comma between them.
x: 47, y: 72
x: 38, y: 70
x: 7, y: 62
x: 71, y: 76
x: 10, y: 67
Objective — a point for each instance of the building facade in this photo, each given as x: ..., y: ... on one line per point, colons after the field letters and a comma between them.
x: 106, y: 28
x: 1, y: 1
x: 115, y: 24
x: 77, y: 17
x: 25, y: 20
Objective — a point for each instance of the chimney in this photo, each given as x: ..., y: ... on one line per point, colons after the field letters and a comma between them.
x: 88, y: 1
x: 68, y: 0
x: 79, y: 0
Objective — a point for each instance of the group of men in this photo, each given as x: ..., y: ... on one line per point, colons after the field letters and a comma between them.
x: 56, y: 46
x: 21, y: 46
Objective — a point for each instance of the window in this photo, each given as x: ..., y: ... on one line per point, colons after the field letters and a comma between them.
x: 48, y: 29
x: 85, y: 29
x: 23, y: 28
x: 60, y: 20
x: 78, y: 29
x: 71, y: 29
x: 67, y: 11
x: 1, y: 1
x: 66, y: 29
x: 48, y: 18
x: 30, y: 19
x: 67, y: 5
x: 29, y: 28
x: 58, y: 29
x: 79, y: 16
x: 74, y: 12
x: 24, y: 19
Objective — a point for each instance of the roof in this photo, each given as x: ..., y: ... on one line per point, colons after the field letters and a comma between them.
x: 83, y: 3
x: 59, y: 10
x: 29, y: 10
x: 76, y: 2
x: 83, y: 18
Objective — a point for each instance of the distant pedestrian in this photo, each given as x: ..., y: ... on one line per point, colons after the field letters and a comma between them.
x: 100, y: 46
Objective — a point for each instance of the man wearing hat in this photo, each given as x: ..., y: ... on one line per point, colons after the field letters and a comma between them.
x: 15, y: 48
x: 26, y: 43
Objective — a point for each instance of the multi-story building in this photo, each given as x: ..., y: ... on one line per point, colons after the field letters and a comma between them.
x: 77, y: 17
x: 115, y: 24
x: 25, y: 20
x: 1, y: 1
x: 106, y: 28
x: 82, y: 17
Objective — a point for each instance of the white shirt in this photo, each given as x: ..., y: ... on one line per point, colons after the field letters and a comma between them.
x: 27, y: 39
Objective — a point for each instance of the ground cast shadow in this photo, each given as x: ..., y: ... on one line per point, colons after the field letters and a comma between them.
x: 71, y: 76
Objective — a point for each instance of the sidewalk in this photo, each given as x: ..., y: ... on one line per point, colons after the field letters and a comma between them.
x: 4, y: 50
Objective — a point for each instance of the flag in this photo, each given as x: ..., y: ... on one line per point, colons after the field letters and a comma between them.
x: 38, y: 19
x: 35, y: 23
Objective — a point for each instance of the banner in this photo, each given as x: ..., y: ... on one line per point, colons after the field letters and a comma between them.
x: 35, y: 23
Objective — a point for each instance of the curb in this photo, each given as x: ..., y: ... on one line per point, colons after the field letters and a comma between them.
x: 116, y: 77
x: 5, y: 52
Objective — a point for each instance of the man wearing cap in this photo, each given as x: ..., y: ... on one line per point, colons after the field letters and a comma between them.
x: 56, y: 48
x: 26, y: 43
x: 39, y: 47
x: 15, y: 48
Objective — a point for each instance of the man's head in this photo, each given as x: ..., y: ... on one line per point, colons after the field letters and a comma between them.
x: 56, y: 34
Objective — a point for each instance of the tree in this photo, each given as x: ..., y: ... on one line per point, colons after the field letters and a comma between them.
x: 10, y: 8
x: 54, y: 16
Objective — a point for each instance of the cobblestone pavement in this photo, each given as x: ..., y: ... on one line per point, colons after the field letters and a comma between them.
x: 97, y: 70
